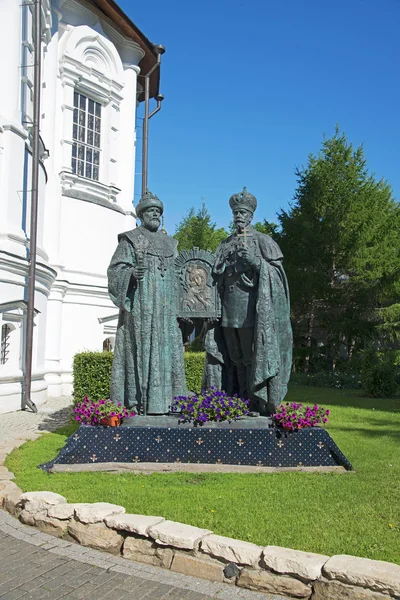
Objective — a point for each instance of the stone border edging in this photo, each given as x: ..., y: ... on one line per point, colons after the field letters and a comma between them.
x: 199, y: 552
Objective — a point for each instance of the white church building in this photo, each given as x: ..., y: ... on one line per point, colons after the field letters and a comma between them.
x: 93, y: 58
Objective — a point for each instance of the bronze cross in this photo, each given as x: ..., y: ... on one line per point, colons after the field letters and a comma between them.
x: 244, y: 236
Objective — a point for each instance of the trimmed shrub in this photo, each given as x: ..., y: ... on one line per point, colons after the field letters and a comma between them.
x: 379, y: 374
x: 195, y: 346
x: 92, y: 374
x: 327, y: 379
x: 194, y: 365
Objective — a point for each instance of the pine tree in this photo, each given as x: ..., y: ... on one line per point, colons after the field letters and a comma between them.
x: 340, y: 240
x: 268, y: 227
x: 197, y: 229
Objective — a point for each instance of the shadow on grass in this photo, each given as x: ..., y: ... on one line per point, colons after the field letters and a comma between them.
x: 350, y: 398
x: 372, y: 429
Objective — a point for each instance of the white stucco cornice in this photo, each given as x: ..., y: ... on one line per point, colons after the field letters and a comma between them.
x: 46, y: 21
x: 15, y: 310
x: 109, y: 318
x: 85, y: 14
x: 130, y: 52
x: 18, y: 268
x: 13, y: 126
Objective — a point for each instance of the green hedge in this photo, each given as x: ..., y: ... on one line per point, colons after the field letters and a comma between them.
x: 194, y: 365
x: 328, y: 379
x: 92, y: 373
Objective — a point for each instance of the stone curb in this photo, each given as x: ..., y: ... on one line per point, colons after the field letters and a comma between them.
x: 199, y: 552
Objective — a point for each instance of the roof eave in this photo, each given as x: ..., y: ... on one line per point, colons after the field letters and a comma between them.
x: 130, y: 30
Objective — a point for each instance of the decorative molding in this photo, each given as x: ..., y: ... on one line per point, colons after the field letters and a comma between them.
x: 23, y: 241
x: 46, y: 21
x: 130, y: 52
x: 78, y: 194
x: 12, y: 263
x: 109, y: 318
x: 14, y: 127
x: 110, y: 330
x: 15, y: 311
x: 90, y: 58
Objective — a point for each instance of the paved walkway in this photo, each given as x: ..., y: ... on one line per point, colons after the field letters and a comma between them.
x: 36, y: 566
x: 24, y: 424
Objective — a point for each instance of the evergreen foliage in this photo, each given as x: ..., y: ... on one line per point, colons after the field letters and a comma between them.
x: 340, y: 240
x: 378, y: 374
x: 197, y: 230
x: 269, y: 228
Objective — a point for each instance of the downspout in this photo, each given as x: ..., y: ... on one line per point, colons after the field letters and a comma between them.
x: 26, y: 396
x: 145, y: 145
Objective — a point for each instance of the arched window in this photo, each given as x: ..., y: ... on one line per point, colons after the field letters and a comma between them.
x: 108, y: 344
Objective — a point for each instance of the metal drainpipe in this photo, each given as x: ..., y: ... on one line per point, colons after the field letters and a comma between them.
x: 26, y: 396
x: 145, y: 145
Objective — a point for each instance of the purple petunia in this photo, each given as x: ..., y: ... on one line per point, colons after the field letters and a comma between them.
x: 209, y: 405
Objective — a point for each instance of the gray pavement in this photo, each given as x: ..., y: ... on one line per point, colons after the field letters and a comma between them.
x: 24, y: 424
x: 36, y: 566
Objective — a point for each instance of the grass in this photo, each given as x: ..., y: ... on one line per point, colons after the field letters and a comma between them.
x: 355, y: 513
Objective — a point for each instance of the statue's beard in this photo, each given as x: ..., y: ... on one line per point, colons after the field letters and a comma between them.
x: 240, y: 225
x: 153, y: 224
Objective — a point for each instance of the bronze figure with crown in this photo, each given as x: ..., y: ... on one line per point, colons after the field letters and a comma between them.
x: 148, y: 369
x: 250, y: 351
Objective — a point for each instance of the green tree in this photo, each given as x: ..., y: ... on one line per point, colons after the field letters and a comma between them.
x: 265, y: 226
x: 269, y: 228
x: 340, y: 241
x: 197, y: 229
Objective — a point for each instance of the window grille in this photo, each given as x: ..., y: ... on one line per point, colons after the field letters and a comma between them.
x: 86, y: 137
x: 5, y: 344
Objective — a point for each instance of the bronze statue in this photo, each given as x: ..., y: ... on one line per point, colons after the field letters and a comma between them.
x: 148, y: 369
x: 251, y: 353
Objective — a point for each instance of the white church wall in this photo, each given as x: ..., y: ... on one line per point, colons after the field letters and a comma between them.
x: 13, y: 278
x: 15, y: 206
x: 98, y: 62
x: 10, y: 47
x: 83, y: 310
x: 79, y: 217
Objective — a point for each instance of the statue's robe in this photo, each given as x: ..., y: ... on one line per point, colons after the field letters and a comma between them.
x: 148, y: 353
x: 272, y: 354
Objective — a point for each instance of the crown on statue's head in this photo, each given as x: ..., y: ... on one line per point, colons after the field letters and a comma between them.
x: 243, y: 200
x: 148, y: 200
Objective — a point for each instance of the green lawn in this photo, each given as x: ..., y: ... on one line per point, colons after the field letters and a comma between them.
x: 355, y: 513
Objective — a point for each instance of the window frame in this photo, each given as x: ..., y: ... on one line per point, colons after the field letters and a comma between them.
x: 86, y: 139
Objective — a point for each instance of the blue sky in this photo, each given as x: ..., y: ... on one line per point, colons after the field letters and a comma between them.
x: 252, y: 86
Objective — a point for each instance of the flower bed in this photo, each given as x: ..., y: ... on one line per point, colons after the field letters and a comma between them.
x: 293, y: 416
x: 101, y: 412
x: 210, y: 405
